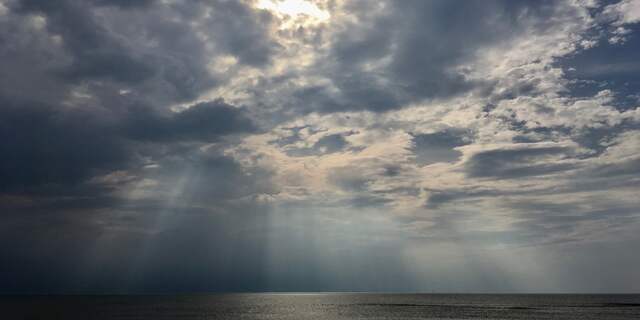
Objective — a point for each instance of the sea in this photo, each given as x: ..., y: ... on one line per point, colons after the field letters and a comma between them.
x: 322, y: 306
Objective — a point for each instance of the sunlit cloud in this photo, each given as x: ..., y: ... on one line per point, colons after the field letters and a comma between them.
x: 294, y: 8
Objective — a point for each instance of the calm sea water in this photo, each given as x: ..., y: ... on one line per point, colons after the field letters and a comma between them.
x: 323, y: 306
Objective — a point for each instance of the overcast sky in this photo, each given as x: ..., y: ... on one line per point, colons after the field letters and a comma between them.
x: 329, y: 145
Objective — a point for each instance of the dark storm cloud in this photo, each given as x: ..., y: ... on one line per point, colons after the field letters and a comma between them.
x: 45, y: 147
x: 428, y: 41
x: 96, y: 54
x: 26, y: 60
x: 244, y: 32
x: 148, y: 48
x: 85, y: 84
x: 439, y: 146
x: 85, y: 90
x: 125, y: 3
x: 518, y: 163
x: 205, y: 121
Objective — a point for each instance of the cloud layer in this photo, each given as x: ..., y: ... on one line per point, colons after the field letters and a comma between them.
x: 237, y: 146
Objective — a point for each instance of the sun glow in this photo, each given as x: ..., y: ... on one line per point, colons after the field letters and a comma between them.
x: 294, y: 8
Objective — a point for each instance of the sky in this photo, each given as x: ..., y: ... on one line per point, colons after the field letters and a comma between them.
x: 165, y: 146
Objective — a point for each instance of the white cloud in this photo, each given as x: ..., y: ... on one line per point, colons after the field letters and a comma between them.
x: 626, y: 11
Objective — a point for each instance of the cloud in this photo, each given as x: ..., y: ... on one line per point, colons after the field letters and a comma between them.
x: 393, y: 55
x: 83, y: 92
x: 350, y: 178
x: 51, y: 146
x: 438, y: 198
x: 155, y: 53
x: 209, y: 178
x: 44, y: 147
x: 619, y: 159
x: 519, y: 163
x: 220, y: 146
x: 327, y: 144
x: 204, y: 121
x: 95, y: 53
x: 438, y: 146
x: 244, y: 32
x: 126, y: 3
x: 606, y: 67
x: 625, y: 11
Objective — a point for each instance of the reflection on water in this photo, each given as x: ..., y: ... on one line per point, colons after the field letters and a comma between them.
x: 323, y: 306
